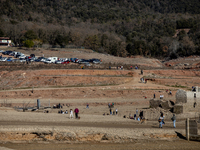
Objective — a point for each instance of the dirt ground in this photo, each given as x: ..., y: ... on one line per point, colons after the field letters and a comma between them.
x: 97, y: 87
x: 138, y: 145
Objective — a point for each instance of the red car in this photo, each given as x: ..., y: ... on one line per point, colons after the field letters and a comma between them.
x: 65, y: 62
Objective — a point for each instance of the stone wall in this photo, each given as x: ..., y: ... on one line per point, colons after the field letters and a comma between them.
x: 187, y: 101
x: 154, y: 114
x: 178, y: 109
x: 154, y: 103
x: 165, y: 104
x: 181, y: 96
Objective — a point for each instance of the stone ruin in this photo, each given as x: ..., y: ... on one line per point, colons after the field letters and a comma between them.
x: 186, y: 101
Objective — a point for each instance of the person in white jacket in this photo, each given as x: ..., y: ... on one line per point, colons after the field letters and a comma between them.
x: 71, y: 114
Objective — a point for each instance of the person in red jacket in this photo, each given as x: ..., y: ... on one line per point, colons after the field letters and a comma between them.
x: 76, y: 111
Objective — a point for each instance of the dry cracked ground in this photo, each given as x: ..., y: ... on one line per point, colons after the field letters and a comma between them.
x: 22, y: 84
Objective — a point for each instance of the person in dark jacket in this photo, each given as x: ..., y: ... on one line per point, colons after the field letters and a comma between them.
x: 76, y: 111
x: 174, y: 120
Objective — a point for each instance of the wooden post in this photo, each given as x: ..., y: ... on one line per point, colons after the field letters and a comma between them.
x: 187, y: 129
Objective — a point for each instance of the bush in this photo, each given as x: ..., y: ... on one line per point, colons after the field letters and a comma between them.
x: 28, y: 43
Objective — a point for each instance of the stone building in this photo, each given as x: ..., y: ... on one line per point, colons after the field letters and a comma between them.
x: 187, y: 101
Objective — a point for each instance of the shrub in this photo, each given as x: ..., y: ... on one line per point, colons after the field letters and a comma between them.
x: 28, y: 43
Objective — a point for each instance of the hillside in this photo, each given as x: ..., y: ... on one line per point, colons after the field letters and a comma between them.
x: 117, y: 27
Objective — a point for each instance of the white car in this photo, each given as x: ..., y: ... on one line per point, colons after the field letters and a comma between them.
x: 1, y: 51
x: 13, y: 53
x: 43, y: 59
x: 3, y: 59
x: 47, y: 61
x: 22, y: 56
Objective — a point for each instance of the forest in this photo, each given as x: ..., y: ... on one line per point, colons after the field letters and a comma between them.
x: 156, y: 28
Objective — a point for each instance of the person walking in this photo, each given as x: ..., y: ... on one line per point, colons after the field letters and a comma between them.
x: 71, y: 114
x: 154, y: 95
x: 116, y: 111
x: 174, y: 120
x: 87, y: 106
x: 160, y: 121
x: 110, y: 111
x: 136, y: 112
x: 76, y: 113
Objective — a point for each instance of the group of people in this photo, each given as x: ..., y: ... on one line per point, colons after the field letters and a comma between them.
x: 110, y: 105
x: 76, y: 111
x: 62, y: 112
x: 137, y: 116
x: 118, y: 67
x: 112, y: 112
x: 143, y: 80
x: 170, y: 92
x: 162, y: 122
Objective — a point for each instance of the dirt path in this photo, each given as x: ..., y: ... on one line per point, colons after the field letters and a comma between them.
x: 89, y: 124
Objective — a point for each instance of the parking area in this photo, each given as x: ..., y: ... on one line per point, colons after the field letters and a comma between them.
x: 14, y: 56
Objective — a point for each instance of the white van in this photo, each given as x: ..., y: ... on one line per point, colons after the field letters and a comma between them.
x: 52, y: 59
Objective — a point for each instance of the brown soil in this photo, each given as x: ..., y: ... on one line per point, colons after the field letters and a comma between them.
x: 76, y: 87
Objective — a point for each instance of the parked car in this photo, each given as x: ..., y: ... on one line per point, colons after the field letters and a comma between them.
x: 31, y: 59
x: 9, y: 59
x: 43, y: 59
x: 65, y: 62
x: 95, y: 61
x: 13, y: 53
x: 83, y: 61
x: 53, y: 59
x: 6, y: 52
x: 3, y: 59
x: 18, y: 54
x: 59, y: 61
x: 22, y: 56
x: 38, y: 60
x: 47, y: 61
x: 22, y: 60
x: 32, y: 55
x: 74, y: 60
x: 1, y: 51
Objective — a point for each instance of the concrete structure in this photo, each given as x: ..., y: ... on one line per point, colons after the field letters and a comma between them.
x: 187, y: 101
x: 192, y: 130
x: 5, y: 41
